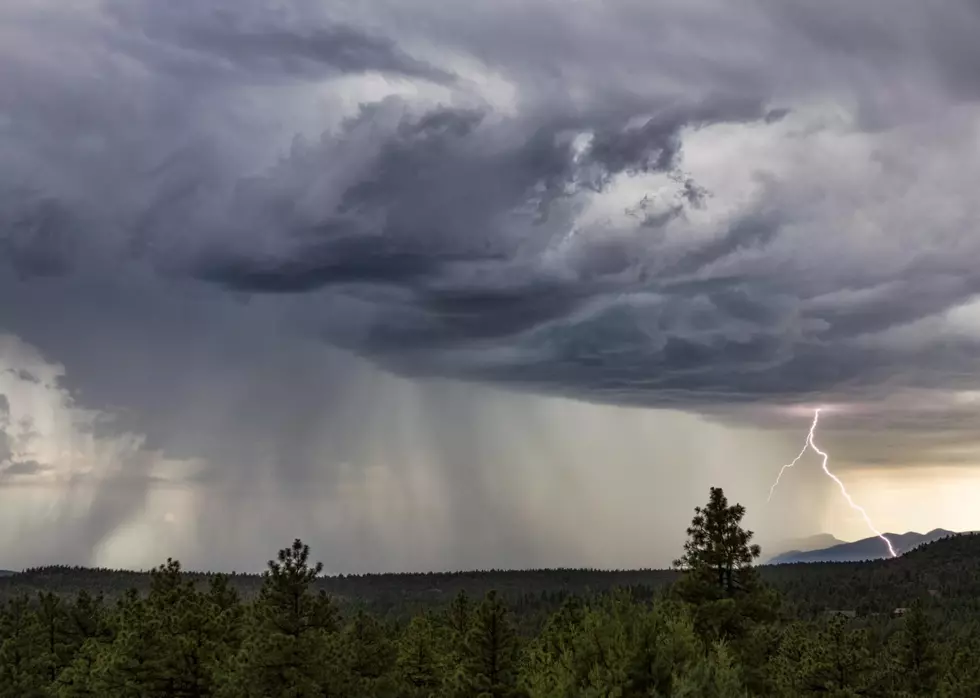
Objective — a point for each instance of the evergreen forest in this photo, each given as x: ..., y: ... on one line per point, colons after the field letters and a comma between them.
x: 717, y: 625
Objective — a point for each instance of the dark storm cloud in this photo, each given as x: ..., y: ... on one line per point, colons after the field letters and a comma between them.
x: 339, y: 261
x: 437, y: 221
x: 36, y: 238
x: 446, y: 203
x: 438, y: 198
x: 935, y: 41
x: 191, y: 193
x: 655, y: 145
x: 258, y: 41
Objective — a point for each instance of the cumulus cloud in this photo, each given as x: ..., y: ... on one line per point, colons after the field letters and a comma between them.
x: 67, y: 459
x: 703, y: 206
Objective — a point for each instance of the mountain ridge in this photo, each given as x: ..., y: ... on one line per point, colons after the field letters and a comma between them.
x: 804, y: 544
x: 871, y: 548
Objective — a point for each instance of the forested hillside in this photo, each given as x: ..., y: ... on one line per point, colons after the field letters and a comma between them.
x: 716, y: 625
x: 944, y: 568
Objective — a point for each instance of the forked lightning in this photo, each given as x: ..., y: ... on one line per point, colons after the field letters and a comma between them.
x: 810, y: 443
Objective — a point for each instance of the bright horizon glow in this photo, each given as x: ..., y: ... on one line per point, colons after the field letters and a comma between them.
x: 913, y: 498
x: 810, y: 443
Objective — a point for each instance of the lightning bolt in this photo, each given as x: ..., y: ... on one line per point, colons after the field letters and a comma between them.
x: 810, y: 443
x: 806, y: 445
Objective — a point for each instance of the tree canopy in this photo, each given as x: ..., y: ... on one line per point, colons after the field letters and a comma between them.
x: 713, y: 627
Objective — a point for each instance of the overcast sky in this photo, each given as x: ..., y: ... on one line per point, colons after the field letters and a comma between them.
x: 490, y: 284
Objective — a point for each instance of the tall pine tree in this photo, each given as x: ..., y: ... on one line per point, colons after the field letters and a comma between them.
x: 718, y: 554
x: 286, y: 651
x: 719, y: 579
x: 490, y: 654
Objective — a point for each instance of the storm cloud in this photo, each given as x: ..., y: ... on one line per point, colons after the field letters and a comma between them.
x: 238, y: 227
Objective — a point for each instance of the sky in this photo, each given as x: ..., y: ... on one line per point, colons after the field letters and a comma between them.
x: 492, y: 284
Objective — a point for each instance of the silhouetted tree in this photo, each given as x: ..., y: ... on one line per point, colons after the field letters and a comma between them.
x: 718, y: 578
x: 718, y: 554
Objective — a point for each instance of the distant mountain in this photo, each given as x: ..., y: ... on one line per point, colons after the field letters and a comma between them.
x: 6, y: 573
x: 865, y: 549
x: 818, y: 541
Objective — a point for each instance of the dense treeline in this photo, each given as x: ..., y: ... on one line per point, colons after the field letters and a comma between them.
x: 713, y: 627
x: 947, y: 568
x: 396, y: 596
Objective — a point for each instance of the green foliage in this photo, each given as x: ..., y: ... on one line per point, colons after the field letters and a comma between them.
x: 21, y: 668
x: 917, y: 652
x: 839, y: 661
x: 288, y: 649
x: 621, y: 646
x: 458, y: 618
x: 489, y: 657
x: 962, y: 676
x: 718, y: 554
x: 720, y: 631
x: 719, y: 581
x: 420, y: 669
x: 713, y: 676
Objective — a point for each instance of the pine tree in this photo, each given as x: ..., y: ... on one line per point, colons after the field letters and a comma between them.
x: 713, y: 676
x: 22, y: 674
x: 961, y: 678
x: 548, y: 665
x: 662, y: 644
x: 368, y: 656
x: 620, y: 648
x: 88, y: 617
x: 181, y: 623
x: 454, y: 623
x: 917, y: 656
x: 719, y: 579
x: 199, y: 631
x: 718, y: 554
x: 788, y: 669
x: 134, y: 665
x: 226, y: 617
x: 58, y: 643
x: 418, y: 660
x: 490, y: 653
x: 286, y: 652
x: 603, y: 648
x: 458, y: 618
x: 839, y: 662
x: 93, y: 634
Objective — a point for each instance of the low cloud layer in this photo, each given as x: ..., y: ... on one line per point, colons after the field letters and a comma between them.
x: 713, y: 208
